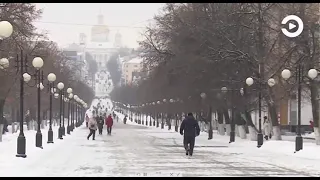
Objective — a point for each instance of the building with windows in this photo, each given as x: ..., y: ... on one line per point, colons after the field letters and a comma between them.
x: 131, y: 69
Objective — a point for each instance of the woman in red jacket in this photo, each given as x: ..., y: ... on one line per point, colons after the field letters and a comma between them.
x: 109, y: 123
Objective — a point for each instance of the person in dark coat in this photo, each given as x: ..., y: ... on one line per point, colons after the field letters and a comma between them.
x: 100, y: 122
x: 109, y: 123
x: 189, y: 129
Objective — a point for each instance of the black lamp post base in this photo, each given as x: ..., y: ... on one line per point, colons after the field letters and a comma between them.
x: 142, y: 122
x: 63, y: 131
x: 50, y: 136
x: 39, y: 139
x: 210, y: 134
x: 154, y: 123
x: 169, y: 127
x: 21, y: 146
x: 260, y: 140
x: 150, y: 123
x: 157, y: 124
x: 71, y: 128
x: 232, y: 136
x: 299, y: 143
x: 146, y: 123
x: 162, y: 125
x: 68, y: 129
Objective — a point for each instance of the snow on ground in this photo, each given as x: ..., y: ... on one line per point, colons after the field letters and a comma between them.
x: 136, y: 150
x: 140, y: 150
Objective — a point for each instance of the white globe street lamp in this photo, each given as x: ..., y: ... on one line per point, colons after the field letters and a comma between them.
x: 164, y: 100
x: 37, y: 62
x: 249, y: 81
x: 56, y: 95
x: 158, y: 102
x: 41, y: 86
x: 271, y: 82
x: 51, y: 77
x: 312, y: 73
x: 286, y: 74
x: 60, y: 86
x: 26, y: 77
x: 4, y: 63
x: 203, y: 95
x: 171, y: 100
x: 6, y: 29
x: 224, y: 89
x: 69, y: 90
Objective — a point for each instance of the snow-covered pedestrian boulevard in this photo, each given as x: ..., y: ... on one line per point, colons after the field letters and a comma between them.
x: 135, y: 150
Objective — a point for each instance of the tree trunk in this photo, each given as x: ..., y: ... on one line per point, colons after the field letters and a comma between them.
x: 240, y: 125
x: 227, y: 121
x: 315, y: 110
x: 2, y: 101
x: 220, y: 123
x: 252, y: 128
x: 274, y: 119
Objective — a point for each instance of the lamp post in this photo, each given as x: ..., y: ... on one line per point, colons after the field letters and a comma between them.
x: 74, y: 114
x: 70, y: 95
x: 286, y: 74
x: 60, y: 86
x: 63, y: 113
x: 271, y: 82
x: 51, y: 78
x: 162, y: 121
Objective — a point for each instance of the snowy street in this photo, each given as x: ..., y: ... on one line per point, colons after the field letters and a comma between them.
x: 135, y: 150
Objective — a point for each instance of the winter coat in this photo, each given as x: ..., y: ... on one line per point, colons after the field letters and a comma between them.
x: 267, y: 128
x: 189, y: 127
x: 109, y: 121
x: 100, y: 122
x: 92, y: 124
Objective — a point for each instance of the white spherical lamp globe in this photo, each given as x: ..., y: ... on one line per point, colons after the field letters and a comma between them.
x: 4, y: 63
x: 51, y: 77
x: 249, y: 81
x: 37, y: 62
x: 312, y: 73
x: 203, y: 95
x: 69, y: 90
x: 56, y: 95
x: 286, y: 74
x: 26, y: 77
x: 60, y: 85
x: 271, y: 82
x: 75, y: 97
x: 6, y: 29
x: 70, y: 96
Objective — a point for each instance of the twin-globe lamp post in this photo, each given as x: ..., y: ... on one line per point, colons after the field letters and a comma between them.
x: 271, y: 82
x: 60, y: 86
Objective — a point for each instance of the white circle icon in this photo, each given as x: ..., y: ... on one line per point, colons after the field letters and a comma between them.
x: 291, y: 26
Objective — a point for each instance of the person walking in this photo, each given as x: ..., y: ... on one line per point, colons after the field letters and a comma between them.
x: 100, y: 122
x: 87, y: 120
x: 109, y: 123
x: 125, y: 119
x: 266, y: 128
x: 92, y: 127
x: 189, y: 128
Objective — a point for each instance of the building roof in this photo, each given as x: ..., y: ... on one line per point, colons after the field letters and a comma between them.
x: 136, y: 60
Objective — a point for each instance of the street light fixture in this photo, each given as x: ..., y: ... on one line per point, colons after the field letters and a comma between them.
x: 6, y: 29
x: 69, y: 91
x: 271, y: 82
x: 51, y: 78
x: 60, y: 86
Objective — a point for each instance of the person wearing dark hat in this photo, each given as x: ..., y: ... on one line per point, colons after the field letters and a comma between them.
x: 189, y: 129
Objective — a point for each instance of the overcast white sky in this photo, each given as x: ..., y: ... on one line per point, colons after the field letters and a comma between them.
x: 65, y: 21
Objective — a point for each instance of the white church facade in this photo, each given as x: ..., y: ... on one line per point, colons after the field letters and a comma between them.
x: 101, y: 46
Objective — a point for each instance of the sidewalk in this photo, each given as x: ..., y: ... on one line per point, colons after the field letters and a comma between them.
x: 279, y: 153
